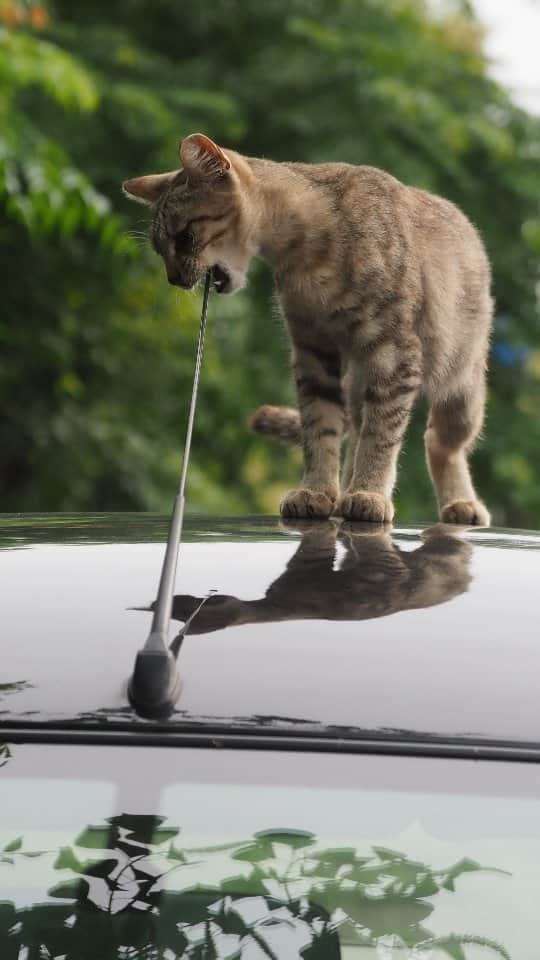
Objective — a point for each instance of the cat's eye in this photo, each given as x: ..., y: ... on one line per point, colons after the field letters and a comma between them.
x: 183, y: 242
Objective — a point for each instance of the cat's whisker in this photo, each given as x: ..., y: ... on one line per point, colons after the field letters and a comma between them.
x: 140, y: 239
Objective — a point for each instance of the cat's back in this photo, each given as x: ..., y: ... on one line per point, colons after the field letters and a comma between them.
x: 360, y: 190
x: 362, y: 201
x: 432, y: 211
x: 347, y: 179
x: 362, y: 208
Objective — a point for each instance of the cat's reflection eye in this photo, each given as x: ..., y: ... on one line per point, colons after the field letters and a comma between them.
x: 183, y: 242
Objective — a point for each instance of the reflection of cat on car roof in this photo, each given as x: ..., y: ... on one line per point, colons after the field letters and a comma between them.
x: 373, y: 579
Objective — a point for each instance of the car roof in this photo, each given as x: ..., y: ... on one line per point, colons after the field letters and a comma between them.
x: 346, y: 634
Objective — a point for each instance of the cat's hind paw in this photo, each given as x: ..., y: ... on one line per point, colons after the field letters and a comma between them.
x: 468, y: 513
x: 367, y: 506
x: 306, y: 504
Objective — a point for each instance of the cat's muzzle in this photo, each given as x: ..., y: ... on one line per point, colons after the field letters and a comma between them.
x: 221, y: 279
x: 177, y: 280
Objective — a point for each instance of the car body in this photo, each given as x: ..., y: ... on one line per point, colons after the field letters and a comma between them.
x: 351, y: 770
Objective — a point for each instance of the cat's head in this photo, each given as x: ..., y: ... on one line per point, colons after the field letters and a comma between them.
x: 199, y: 220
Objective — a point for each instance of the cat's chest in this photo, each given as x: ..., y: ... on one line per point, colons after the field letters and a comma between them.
x: 303, y: 299
x: 314, y: 309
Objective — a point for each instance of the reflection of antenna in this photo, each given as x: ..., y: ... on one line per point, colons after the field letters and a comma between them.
x: 154, y: 686
x: 177, y: 642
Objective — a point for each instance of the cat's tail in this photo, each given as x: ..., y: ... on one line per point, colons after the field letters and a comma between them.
x: 282, y: 423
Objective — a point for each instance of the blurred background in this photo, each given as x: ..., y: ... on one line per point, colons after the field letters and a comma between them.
x: 97, y: 351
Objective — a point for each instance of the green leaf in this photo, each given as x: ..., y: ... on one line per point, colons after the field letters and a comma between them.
x: 14, y: 845
x: 97, y: 838
x: 254, y: 852
x: 463, y: 866
x: 163, y: 835
x: 454, y: 949
x: 292, y: 838
x: 174, y: 854
x: 66, y: 860
x: 384, y: 853
x: 70, y: 890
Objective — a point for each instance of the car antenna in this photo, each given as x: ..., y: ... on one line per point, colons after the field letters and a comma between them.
x: 154, y: 686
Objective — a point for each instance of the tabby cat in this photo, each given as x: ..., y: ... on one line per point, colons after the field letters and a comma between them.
x: 371, y: 577
x: 385, y: 290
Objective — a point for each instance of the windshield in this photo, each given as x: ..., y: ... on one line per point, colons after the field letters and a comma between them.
x: 131, y: 853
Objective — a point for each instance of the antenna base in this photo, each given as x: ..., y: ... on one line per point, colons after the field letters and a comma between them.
x: 154, y: 686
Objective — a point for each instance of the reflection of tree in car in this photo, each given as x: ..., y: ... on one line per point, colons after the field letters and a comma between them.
x: 373, y: 579
x: 278, y: 895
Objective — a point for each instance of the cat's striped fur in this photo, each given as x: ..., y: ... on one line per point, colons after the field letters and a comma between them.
x: 385, y: 291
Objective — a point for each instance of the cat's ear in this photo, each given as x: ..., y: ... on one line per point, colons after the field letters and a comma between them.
x: 202, y: 158
x: 148, y: 189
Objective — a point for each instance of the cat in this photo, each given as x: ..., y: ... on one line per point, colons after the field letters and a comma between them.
x: 385, y: 291
x: 374, y: 578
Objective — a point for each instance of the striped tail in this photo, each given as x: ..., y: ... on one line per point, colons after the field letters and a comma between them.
x: 282, y: 423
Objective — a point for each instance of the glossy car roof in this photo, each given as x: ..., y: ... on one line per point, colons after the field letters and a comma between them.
x: 426, y: 636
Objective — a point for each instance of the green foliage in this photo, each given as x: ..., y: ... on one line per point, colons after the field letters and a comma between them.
x: 149, y: 901
x: 39, y: 185
x: 28, y: 61
x: 96, y: 352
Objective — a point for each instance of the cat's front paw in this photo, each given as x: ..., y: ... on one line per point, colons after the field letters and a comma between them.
x: 307, y: 504
x: 469, y: 513
x: 367, y: 506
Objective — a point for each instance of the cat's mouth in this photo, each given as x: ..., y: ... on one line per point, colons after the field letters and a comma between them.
x: 220, y: 279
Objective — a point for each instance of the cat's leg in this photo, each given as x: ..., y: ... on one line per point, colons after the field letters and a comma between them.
x: 310, y: 568
x: 322, y: 411
x: 318, y: 543
x: 368, y: 545
x: 388, y: 379
x: 348, y: 462
x: 440, y: 568
x: 354, y: 388
x: 453, y: 426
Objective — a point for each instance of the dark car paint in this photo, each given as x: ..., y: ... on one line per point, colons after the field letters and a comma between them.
x: 327, y: 636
